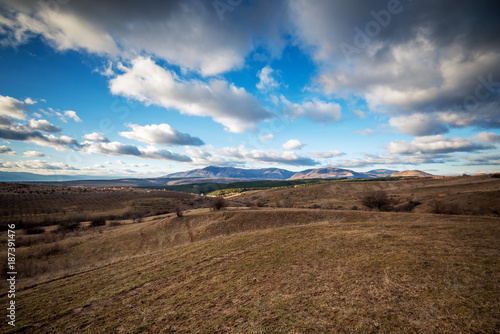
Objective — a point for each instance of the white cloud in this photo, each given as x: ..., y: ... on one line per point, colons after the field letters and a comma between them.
x: 37, y: 165
x: 226, y: 104
x: 267, y: 137
x: 6, y: 150
x: 489, y: 160
x: 65, y: 30
x: 94, y: 136
x: 327, y: 154
x: 160, y: 134
x: 418, y: 124
x: 24, y: 133
x: 33, y: 154
x: 29, y: 100
x: 118, y: 149
x: 374, y: 160
x: 189, y: 34
x: 435, y: 144
x: 410, y: 65
x: 292, y: 144
x: 71, y: 114
x: 12, y: 108
x: 360, y: 113
x: 366, y: 132
x: 277, y: 158
x: 266, y: 79
x: 316, y: 110
x: 234, y: 156
x: 488, y: 137
x: 44, y: 126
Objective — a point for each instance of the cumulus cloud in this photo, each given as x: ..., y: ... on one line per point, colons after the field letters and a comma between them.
x: 6, y: 150
x: 38, y: 165
x: 292, y: 144
x: 189, y: 34
x: 327, y: 154
x: 94, y: 136
x: 117, y: 149
x: 29, y: 100
x: 234, y: 156
x: 12, y: 108
x: 316, y: 110
x: 488, y: 137
x: 267, y: 137
x: 160, y: 134
x: 277, y: 158
x: 32, y: 154
x: 426, y: 57
x: 24, y: 133
x: 436, y: 144
x: 373, y: 160
x: 489, y: 160
x: 266, y: 79
x: 72, y: 114
x: 225, y: 103
x: 418, y: 124
x: 44, y: 125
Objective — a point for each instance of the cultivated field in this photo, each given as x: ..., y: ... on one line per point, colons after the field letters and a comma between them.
x: 267, y: 267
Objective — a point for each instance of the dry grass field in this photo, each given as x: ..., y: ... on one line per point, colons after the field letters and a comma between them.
x: 270, y: 269
x: 464, y: 194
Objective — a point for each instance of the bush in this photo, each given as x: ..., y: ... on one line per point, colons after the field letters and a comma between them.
x: 438, y: 207
x: 69, y: 225
x: 35, y: 230
x: 408, y: 206
x: 98, y: 222
x: 218, y: 203
x: 178, y: 211
x: 377, y: 200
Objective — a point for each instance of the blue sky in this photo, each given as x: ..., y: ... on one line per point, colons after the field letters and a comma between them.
x: 116, y: 88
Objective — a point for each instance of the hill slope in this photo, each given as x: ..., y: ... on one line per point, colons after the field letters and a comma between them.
x: 344, y: 272
x: 412, y: 173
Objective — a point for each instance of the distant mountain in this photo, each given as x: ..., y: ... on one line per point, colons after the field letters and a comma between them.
x: 381, y: 172
x: 328, y: 173
x: 27, y: 177
x: 278, y: 174
x: 235, y: 173
x: 412, y: 173
x: 207, y: 174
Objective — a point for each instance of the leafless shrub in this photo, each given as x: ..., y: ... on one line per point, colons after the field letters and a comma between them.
x: 100, y: 221
x: 178, y: 211
x: 218, y: 203
x: 377, y: 200
x: 35, y: 230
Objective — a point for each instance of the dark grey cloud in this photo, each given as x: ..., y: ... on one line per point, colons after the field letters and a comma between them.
x: 118, y: 149
x: 22, y: 133
x: 44, y: 125
x: 6, y: 150
x: 190, y: 33
x: 427, y: 56
x: 490, y: 160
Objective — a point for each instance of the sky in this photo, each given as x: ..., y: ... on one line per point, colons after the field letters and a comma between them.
x: 144, y: 89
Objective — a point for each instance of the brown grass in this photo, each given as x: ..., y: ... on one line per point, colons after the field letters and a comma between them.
x: 286, y: 271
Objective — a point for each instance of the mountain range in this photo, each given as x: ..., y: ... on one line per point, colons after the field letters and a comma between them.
x: 283, y: 174
x: 210, y: 174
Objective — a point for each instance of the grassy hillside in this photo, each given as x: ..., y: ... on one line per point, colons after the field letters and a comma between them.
x: 463, y: 195
x: 281, y: 270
